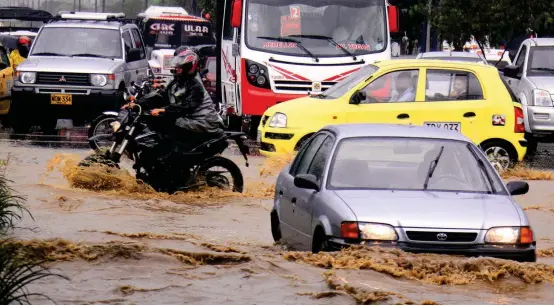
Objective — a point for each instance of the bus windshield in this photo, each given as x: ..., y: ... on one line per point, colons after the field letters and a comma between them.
x: 172, y: 34
x: 323, y: 27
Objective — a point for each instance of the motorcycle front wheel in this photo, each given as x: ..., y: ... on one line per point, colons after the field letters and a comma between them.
x: 222, y: 173
x: 100, y: 126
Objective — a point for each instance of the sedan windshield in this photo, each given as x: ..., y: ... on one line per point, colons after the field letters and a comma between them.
x: 341, y: 88
x: 85, y: 42
x: 317, y: 28
x: 411, y: 164
x: 541, y: 61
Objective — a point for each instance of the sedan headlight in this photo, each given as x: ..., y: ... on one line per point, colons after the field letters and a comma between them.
x: 98, y: 80
x: 509, y: 235
x: 28, y: 77
x: 279, y: 120
x: 115, y: 125
x: 377, y: 231
x: 541, y: 98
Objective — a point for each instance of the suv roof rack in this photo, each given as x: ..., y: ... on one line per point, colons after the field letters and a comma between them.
x: 89, y: 16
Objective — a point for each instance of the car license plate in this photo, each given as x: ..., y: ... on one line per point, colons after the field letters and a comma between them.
x: 61, y: 99
x: 453, y: 126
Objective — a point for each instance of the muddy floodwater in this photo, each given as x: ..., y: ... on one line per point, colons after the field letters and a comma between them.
x: 126, y: 248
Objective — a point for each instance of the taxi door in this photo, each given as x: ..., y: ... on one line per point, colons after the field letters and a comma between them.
x: 394, y: 97
x: 6, y: 81
x: 454, y: 100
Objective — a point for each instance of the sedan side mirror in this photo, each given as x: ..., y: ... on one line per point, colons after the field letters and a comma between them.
x: 517, y: 187
x: 358, y: 97
x: 511, y: 71
x: 306, y: 181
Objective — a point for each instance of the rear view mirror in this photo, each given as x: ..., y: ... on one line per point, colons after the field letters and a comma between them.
x: 236, y: 14
x: 358, y: 97
x: 517, y: 187
x: 394, y: 26
x: 306, y: 181
x: 511, y: 71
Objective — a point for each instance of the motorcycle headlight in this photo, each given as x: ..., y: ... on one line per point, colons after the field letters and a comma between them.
x: 377, y: 231
x: 115, y: 126
x: 279, y: 120
x: 509, y: 235
x: 98, y: 80
x: 28, y: 77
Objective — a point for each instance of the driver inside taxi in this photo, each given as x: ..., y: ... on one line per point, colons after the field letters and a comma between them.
x: 404, y: 85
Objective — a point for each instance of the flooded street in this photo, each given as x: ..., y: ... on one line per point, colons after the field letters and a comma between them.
x: 119, y: 248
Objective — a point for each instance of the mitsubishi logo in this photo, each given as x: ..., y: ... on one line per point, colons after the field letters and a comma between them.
x: 62, y: 79
x: 442, y: 236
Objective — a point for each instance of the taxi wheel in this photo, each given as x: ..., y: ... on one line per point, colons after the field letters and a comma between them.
x: 500, y: 154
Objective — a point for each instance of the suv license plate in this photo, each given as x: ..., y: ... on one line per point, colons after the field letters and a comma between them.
x: 61, y: 99
x: 453, y: 126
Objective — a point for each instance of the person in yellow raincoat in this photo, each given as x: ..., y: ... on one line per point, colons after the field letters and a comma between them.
x: 20, y: 54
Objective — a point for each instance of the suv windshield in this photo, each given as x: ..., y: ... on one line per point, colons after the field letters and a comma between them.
x: 405, y: 163
x: 339, y: 89
x: 86, y: 42
x: 541, y: 61
x: 173, y: 34
x: 359, y: 26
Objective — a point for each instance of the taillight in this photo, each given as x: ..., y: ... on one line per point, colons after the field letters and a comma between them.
x: 349, y: 230
x: 519, y: 126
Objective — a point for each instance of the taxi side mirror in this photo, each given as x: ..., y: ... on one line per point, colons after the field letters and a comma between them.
x: 358, y: 97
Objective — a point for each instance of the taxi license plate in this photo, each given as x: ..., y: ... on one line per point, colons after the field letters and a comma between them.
x: 259, y: 137
x: 61, y: 99
x: 453, y: 126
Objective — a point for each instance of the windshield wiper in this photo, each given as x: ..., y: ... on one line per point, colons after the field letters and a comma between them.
x: 432, y: 167
x: 49, y: 54
x: 89, y: 55
x: 329, y: 39
x: 544, y: 69
x: 298, y: 44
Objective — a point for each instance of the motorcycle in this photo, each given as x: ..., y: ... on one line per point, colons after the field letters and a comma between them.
x: 102, y: 124
x: 168, y: 168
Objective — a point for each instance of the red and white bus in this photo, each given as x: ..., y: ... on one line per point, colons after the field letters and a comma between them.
x: 277, y: 50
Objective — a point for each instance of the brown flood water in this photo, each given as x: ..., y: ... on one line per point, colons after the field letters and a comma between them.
x: 131, y: 245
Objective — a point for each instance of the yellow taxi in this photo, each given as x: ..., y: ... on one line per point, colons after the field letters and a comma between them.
x: 469, y: 98
x: 6, y: 81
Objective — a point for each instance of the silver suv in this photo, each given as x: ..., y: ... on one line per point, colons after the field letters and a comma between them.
x: 532, y: 80
x: 77, y: 68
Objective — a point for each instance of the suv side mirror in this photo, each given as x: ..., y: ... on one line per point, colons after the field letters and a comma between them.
x: 358, y: 97
x: 511, y: 71
x: 517, y: 187
x: 306, y: 181
x: 133, y: 55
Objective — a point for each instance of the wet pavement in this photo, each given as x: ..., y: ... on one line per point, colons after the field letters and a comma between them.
x: 162, y: 272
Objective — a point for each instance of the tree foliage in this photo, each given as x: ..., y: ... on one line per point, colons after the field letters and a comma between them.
x: 456, y: 20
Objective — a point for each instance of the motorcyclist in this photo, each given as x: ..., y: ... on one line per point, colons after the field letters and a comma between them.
x: 20, y: 54
x: 191, y: 116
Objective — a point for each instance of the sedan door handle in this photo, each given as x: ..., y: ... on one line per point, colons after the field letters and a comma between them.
x: 403, y: 116
x: 469, y: 115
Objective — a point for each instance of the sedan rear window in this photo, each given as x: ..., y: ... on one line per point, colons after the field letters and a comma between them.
x: 404, y: 164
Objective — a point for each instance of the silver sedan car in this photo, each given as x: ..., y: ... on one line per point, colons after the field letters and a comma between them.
x: 415, y: 188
